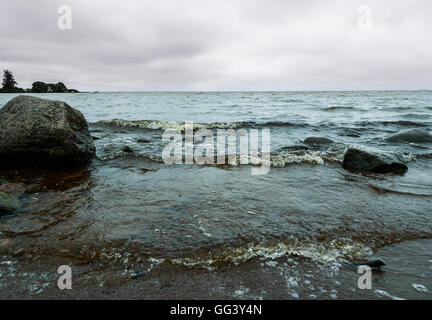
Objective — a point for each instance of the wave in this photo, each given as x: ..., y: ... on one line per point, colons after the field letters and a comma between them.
x: 415, y: 115
x: 121, y: 154
x: 277, y: 159
x: 424, y: 156
x: 382, y: 190
x: 404, y: 123
x: 163, y: 125
x: 333, y: 108
x: 329, y: 251
x: 179, y: 125
x: 285, y: 156
x: 131, y: 253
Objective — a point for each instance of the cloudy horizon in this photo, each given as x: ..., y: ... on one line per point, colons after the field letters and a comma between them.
x: 200, y: 45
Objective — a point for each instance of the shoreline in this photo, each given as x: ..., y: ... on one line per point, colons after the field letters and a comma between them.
x: 281, y: 279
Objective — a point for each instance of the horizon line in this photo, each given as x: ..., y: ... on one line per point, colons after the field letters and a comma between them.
x: 230, y: 91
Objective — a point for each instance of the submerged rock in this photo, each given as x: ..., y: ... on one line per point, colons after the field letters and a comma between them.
x: 317, y: 141
x: 127, y: 149
x: 143, y: 141
x: 40, y: 132
x: 9, y: 202
x: 360, y: 160
x: 12, y: 188
x: 411, y: 135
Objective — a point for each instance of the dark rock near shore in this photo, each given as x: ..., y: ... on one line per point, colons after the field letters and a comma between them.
x: 143, y: 141
x: 411, y: 135
x: 9, y: 203
x: 40, y: 132
x: 317, y: 141
x: 360, y: 160
x: 127, y: 149
x: 12, y: 188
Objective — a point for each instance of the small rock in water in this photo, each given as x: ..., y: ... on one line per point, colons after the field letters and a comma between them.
x: 95, y: 138
x: 374, y: 264
x: 18, y: 252
x: 127, y: 149
x: 137, y: 274
x: 74, y: 175
x: 12, y: 188
x: 361, y: 160
x: 9, y: 203
x: 143, y: 141
x: 317, y: 141
x: 411, y: 135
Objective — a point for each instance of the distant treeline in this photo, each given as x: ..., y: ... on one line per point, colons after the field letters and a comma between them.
x: 9, y: 85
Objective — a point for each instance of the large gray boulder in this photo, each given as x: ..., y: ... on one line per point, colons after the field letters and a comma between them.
x: 360, y: 160
x: 411, y: 135
x: 40, y: 132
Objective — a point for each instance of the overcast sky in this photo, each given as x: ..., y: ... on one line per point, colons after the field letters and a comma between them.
x: 219, y: 44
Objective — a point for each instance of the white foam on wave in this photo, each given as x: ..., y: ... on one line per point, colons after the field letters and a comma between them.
x: 388, y: 295
x: 331, y: 251
x: 163, y: 125
x: 420, y: 288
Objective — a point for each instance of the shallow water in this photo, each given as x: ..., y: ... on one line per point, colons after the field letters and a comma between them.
x: 129, y: 207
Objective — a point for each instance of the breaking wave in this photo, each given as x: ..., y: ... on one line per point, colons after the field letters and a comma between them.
x: 277, y: 160
x: 329, y: 251
x: 179, y: 125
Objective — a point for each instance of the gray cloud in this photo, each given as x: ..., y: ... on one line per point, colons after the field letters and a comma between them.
x: 219, y: 45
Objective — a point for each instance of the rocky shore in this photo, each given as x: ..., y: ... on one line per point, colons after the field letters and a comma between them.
x: 115, y: 218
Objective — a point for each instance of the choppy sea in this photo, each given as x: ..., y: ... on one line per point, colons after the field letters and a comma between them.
x: 293, y: 227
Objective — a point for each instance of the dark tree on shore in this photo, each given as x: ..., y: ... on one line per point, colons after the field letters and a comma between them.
x: 8, y: 80
x: 39, y: 87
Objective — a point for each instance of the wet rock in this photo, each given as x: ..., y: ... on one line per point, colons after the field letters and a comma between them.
x: 143, y: 141
x: 13, y: 188
x: 317, y: 141
x: 361, y: 160
x: 127, y: 149
x: 18, y: 252
x: 374, y: 264
x: 411, y: 135
x: 145, y: 170
x: 39, y: 132
x: 95, y: 138
x: 9, y: 203
x: 4, y: 243
x: 293, y: 148
x: 137, y: 274
x: 74, y: 175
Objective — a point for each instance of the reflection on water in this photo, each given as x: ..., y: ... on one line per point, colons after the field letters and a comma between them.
x: 194, y: 214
